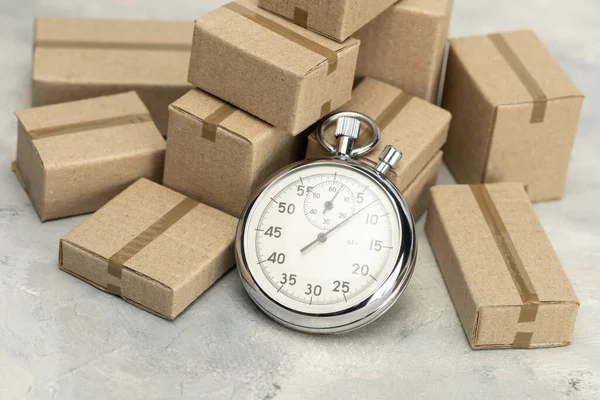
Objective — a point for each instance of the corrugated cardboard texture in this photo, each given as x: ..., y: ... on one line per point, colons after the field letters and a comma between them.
x: 337, y: 19
x: 75, y: 59
x: 266, y: 73
x: 498, y: 132
x: 417, y: 193
x: 74, y: 157
x: 170, y: 272
x: 404, y: 46
x: 224, y: 170
x: 481, y: 283
x: 418, y: 129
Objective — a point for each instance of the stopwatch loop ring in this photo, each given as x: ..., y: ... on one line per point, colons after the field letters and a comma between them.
x: 333, y: 118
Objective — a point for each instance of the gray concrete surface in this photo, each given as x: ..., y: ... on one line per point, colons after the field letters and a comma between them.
x: 62, y: 339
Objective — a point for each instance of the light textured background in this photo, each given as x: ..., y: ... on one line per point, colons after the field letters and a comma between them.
x: 60, y: 338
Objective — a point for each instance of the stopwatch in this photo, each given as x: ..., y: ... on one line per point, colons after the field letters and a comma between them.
x: 328, y: 245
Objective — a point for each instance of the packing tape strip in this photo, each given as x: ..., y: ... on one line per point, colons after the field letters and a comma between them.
x: 325, y: 108
x: 301, y: 17
x: 84, y: 126
x: 540, y: 100
x: 522, y: 340
x: 398, y: 104
x: 211, y: 123
x: 137, y: 244
x: 512, y: 260
x: 100, y: 45
x: 392, y: 111
x: 330, y: 55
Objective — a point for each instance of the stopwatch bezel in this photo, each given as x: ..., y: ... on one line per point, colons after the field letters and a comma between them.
x: 368, y: 309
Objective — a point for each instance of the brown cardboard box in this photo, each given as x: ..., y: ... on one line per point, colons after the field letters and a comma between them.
x: 418, y: 129
x: 156, y: 248
x: 75, y: 59
x: 337, y: 19
x: 74, y: 157
x: 219, y: 154
x: 405, y: 45
x: 515, y: 113
x: 507, y: 284
x: 270, y: 67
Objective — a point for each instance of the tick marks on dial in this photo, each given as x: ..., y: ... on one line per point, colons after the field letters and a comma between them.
x: 328, y: 203
x: 321, y: 200
x: 387, y: 247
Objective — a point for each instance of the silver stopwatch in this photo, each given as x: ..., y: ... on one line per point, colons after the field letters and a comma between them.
x: 328, y: 245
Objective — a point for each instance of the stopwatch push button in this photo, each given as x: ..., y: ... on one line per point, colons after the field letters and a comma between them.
x: 389, y: 158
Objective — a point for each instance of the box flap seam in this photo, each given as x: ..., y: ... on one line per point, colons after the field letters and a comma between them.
x: 93, y: 254
x: 199, y: 119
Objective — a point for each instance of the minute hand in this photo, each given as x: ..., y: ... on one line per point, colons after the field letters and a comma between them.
x: 344, y: 222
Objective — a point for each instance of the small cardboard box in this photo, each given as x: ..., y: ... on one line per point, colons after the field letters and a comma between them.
x: 74, y: 157
x: 515, y: 113
x: 280, y: 72
x: 508, y: 286
x: 76, y: 58
x: 405, y: 46
x: 415, y: 127
x: 156, y: 248
x: 219, y: 154
x: 336, y: 19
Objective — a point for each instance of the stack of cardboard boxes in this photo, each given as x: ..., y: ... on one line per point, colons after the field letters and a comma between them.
x: 258, y: 78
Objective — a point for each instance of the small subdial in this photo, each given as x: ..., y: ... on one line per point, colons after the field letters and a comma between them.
x: 328, y: 203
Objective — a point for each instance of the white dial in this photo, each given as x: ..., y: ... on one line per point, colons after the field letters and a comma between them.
x: 324, y: 261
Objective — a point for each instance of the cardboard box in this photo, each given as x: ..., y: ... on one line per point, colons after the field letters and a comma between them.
x: 418, y: 129
x: 218, y: 154
x: 156, y: 248
x: 506, y: 281
x: 336, y: 19
x: 76, y: 58
x: 74, y: 157
x: 282, y: 73
x: 405, y: 45
x: 515, y: 113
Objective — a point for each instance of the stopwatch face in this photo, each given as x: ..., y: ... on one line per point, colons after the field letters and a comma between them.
x: 322, y: 238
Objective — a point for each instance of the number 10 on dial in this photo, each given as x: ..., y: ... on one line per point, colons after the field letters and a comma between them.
x: 327, y: 245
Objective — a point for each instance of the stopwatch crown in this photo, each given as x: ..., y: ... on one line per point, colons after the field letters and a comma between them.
x: 348, y: 127
x: 346, y: 133
x: 347, y: 130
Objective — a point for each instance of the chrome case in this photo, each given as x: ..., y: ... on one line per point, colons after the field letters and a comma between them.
x: 370, y: 308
